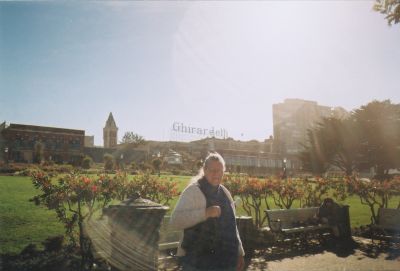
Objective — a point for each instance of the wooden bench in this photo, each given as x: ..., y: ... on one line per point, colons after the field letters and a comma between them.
x: 294, y: 223
x: 387, y: 226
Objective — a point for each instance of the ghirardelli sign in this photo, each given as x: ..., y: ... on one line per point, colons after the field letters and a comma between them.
x: 210, y: 132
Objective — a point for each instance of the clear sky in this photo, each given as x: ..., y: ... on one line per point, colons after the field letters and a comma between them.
x: 204, y: 64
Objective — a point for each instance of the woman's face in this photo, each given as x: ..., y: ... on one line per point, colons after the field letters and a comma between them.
x: 214, y: 172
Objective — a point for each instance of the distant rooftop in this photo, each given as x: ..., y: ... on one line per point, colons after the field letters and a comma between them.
x: 24, y: 127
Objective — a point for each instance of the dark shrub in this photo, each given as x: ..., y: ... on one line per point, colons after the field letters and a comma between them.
x: 108, y: 162
x: 87, y: 162
x: 29, y: 250
x: 54, y: 243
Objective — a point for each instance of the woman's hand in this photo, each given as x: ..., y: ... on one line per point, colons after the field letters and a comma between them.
x: 213, y: 211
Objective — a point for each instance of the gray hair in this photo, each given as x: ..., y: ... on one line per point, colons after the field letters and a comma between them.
x: 212, y: 156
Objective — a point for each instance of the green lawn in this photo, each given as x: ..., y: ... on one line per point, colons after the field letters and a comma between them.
x: 22, y: 223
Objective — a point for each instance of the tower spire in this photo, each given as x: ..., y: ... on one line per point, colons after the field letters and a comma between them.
x: 110, y: 132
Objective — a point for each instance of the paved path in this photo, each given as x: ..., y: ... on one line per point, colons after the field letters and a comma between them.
x: 363, y: 257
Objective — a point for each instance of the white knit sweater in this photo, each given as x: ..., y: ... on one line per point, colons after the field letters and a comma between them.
x: 191, y: 210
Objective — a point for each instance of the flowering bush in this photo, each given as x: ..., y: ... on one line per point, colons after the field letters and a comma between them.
x: 374, y: 193
x: 286, y: 192
x: 67, y: 197
x: 313, y: 192
x: 76, y: 197
x: 253, y: 192
x: 150, y: 187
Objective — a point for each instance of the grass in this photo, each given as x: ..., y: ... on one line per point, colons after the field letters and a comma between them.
x: 23, y: 223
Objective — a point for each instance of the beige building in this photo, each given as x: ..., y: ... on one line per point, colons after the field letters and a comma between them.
x: 253, y: 156
x: 292, y: 119
x: 110, y: 133
x: 89, y: 141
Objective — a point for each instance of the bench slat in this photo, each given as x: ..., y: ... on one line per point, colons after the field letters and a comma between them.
x: 289, y: 220
x: 289, y: 217
x: 306, y: 229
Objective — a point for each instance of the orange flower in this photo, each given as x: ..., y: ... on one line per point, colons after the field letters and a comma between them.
x: 86, y: 180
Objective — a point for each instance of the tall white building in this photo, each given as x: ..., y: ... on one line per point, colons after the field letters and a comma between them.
x: 294, y: 117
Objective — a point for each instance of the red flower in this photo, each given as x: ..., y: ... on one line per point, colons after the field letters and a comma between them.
x: 86, y: 180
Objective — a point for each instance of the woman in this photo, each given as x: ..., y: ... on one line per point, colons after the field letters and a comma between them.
x: 206, y: 213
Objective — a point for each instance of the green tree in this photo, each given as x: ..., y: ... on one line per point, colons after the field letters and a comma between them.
x: 391, y: 8
x: 316, y: 155
x: 129, y: 142
x: 340, y: 139
x: 132, y: 138
x: 348, y: 146
x: 379, y: 124
x: 370, y: 138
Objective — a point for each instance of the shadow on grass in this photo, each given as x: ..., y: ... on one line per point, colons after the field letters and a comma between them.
x: 54, y: 257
